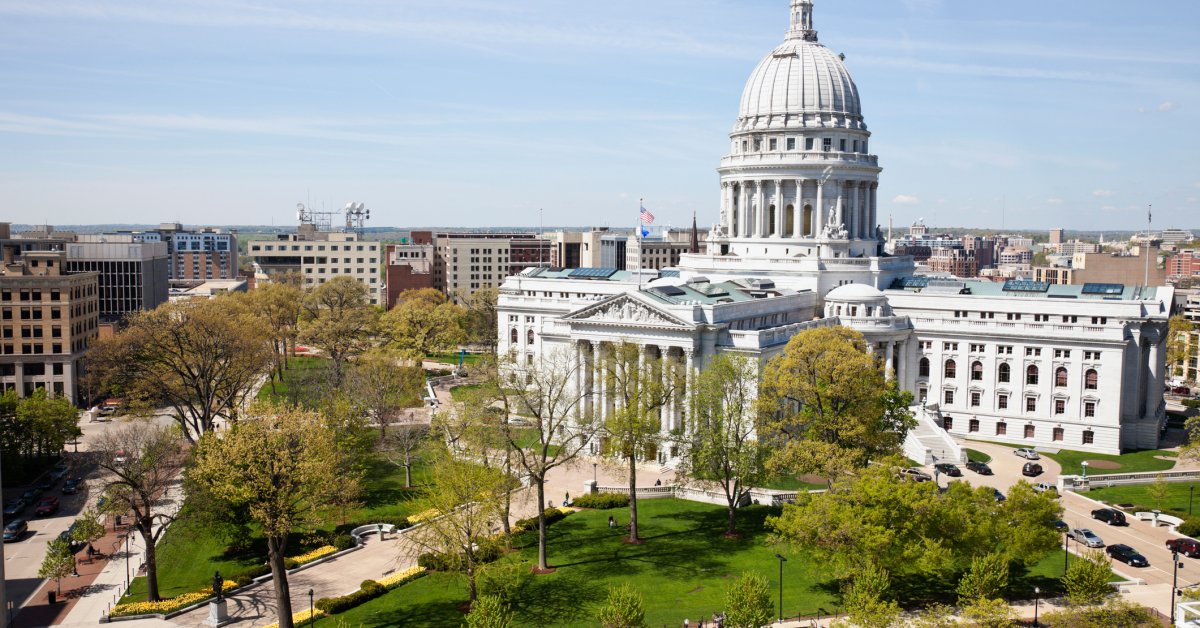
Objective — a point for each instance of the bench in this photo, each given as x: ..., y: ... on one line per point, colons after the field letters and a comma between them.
x: 1160, y: 519
x: 362, y: 531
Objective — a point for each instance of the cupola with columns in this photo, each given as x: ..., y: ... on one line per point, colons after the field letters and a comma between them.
x: 799, y: 180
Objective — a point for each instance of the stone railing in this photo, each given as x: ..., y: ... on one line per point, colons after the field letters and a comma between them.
x: 693, y: 494
x: 1077, y: 483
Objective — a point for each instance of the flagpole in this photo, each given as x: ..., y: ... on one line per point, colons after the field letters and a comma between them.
x: 1149, y: 221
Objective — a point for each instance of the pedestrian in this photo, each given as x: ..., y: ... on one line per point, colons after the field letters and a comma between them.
x: 566, y: 498
x: 685, y: 622
x: 612, y: 523
x: 658, y: 482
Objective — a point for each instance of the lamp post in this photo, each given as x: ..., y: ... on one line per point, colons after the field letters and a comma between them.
x: 1174, y: 582
x: 594, y: 481
x: 782, y: 560
x: 310, y: 607
x: 1066, y: 551
x: 127, y: 560
x: 1084, y: 465
x: 1037, y: 597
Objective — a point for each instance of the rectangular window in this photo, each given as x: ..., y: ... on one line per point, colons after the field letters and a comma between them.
x: 975, y: 399
x: 1089, y: 409
x: 1060, y: 406
x: 757, y: 145
x: 973, y: 425
x: 1088, y: 437
x: 1058, y: 434
x: 1001, y: 428
x: 827, y: 144
x: 808, y: 143
x: 1029, y: 431
x: 1031, y: 404
x: 1002, y: 402
x: 949, y: 397
x: 791, y: 143
x: 773, y: 144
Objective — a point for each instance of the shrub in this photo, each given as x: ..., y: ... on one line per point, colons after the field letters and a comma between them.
x: 552, y: 515
x: 252, y: 573
x: 489, y: 611
x: 748, y: 602
x: 504, y: 579
x: 243, y: 580
x: 622, y: 609
x: 1086, y: 580
x: 1190, y: 527
x: 434, y: 561
x: 368, y: 590
x: 987, y: 579
x: 343, y: 542
x: 602, y: 501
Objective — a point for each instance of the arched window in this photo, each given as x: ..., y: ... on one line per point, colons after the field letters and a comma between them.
x: 529, y: 337
x: 1091, y: 379
x: 976, y: 371
x: 923, y: 368
x: 512, y: 336
x: 1004, y: 372
x: 1031, y: 375
x: 951, y: 369
x: 1060, y: 377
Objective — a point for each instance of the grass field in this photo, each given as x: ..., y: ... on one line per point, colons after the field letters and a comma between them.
x: 452, y: 358
x: 188, y: 555
x: 458, y: 393
x: 975, y: 455
x: 792, y: 483
x: 1133, y: 462
x: 1175, y: 503
x: 683, y: 571
x: 299, y: 368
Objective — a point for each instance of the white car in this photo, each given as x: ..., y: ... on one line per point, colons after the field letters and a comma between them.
x: 1043, y: 487
x: 1084, y: 536
x: 1027, y: 454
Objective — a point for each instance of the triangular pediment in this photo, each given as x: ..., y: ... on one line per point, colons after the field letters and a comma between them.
x: 625, y: 309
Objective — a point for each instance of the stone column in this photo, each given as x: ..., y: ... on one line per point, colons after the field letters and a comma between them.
x: 688, y: 377
x: 741, y: 213
x: 901, y: 365
x: 760, y: 210
x: 840, y: 210
x: 19, y: 382
x: 873, y: 210
x: 820, y: 212
x: 889, y: 361
x: 780, y: 211
x: 798, y: 210
x: 730, y: 225
x: 1154, y: 382
x: 597, y: 396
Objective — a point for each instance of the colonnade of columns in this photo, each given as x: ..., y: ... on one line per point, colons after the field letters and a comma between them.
x: 799, y: 208
x: 895, y: 355
x: 598, y: 367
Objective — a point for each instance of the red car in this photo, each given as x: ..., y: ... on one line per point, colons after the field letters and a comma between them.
x: 47, y: 506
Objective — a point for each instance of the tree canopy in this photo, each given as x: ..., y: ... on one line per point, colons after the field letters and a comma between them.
x: 337, y: 318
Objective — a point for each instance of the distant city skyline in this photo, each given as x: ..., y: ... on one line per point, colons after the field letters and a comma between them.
x: 462, y: 113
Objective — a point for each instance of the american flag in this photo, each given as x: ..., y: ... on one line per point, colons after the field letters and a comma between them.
x: 646, y: 217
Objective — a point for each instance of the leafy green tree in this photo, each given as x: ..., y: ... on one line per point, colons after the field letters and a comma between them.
x: 337, y: 318
x: 935, y: 616
x: 868, y: 601
x: 503, y: 579
x: 88, y: 528
x: 479, y: 315
x: 489, y: 611
x: 1158, y: 491
x: 58, y: 563
x: 380, y: 386
x: 823, y: 403
x: 51, y: 420
x: 141, y: 462
x: 1086, y: 580
x: 1178, y: 330
x: 748, y: 602
x: 633, y: 426
x: 722, y: 447
x: 201, y: 358
x: 277, y: 303
x: 986, y: 579
x: 623, y: 608
x: 283, y: 465
x: 424, y: 322
x: 990, y: 613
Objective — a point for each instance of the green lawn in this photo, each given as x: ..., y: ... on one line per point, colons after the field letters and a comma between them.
x: 452, y: 358
x: 1132, y: 462
x: 1176, y: 501
x: 189, y: 554
x: 792, y: 483
x: 300, y: 368
x: 975, y: 455
x: 458, y: 393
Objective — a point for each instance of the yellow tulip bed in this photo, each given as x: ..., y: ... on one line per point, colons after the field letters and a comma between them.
x: 301, y: 617
x: 402, y: 577
x: 313, y: 555
x: 423, y: 516
x: 169, y: 605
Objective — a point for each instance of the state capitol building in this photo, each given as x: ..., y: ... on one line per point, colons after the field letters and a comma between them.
x: 797, y: 246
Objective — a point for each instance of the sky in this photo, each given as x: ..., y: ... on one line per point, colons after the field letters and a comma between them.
x: 473, y: 113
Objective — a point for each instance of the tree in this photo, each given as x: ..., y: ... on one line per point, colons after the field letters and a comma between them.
x: 623, y: 608
x: 936, y: 616
x: 722, y: 447
x: 87, y: 527
x: 283, y: 466
x: 547, y: 393
x: 826, y: 405
x: 1178, y: 330
x: 278, y: 304
x: 142, y: 461
x: 58, y: 563
x: 990, y: 613
x: 987, y: 579
x: 424, y: 322
x: 35, y: 426
x: 641, y: 386
x: 1158, y: 491
x: 867, y: 599
x: 1086, y: 580
x: 337, y: 318
x: 748, y: 602
x: 479, y: 315
x: 201, y: 358
x: 402, y: 447
x: 489, y: 611
x: 467, y: 498
x: 381, y: 386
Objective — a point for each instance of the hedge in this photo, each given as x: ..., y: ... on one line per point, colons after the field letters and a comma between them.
x: 1189, y: 527
x: 552, y: 515
x: 489, y: 550
x: 602, y: 501
x: 368, y: 590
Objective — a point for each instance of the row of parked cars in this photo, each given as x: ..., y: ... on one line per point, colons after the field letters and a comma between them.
x: 43, y: 505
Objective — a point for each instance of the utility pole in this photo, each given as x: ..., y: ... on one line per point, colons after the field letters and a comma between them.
x: 3, y: 586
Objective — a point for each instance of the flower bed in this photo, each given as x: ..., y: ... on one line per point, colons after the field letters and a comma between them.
x: 296, y: 561
x: 402, y: 577
x: 301, y: 617
x: 170, y: 605
x: 423, y: 516
x: 368, y: 590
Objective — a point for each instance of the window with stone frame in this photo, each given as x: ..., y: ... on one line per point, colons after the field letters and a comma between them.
x: 923, y: 367
x: 1003, y: 372
x: 951, y: 369
x: 1031, y: 375
x: 973, y: 425
x: 1060, y: 406
x: 1089, y: 409
x: 1001, y: 429
x: 1058, y: 434
x: 1031, y: 404
x: 1089, y: 437
x: 1091, y: 379
x: 1060, y: 377
x: 976, y: 371
x: 1030, y: 431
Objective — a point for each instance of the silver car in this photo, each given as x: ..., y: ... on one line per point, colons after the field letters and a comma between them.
x: 1028, y: 454
x: 1086, y: 537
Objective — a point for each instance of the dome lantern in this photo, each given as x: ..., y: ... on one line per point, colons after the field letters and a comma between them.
x: 802, y: 23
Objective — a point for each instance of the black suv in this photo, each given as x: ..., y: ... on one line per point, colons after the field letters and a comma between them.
x: 949, y: 469
x: 1031, y: 469
x: 979, y: 467
x: 1127, y: 555
x: 1110, y: 516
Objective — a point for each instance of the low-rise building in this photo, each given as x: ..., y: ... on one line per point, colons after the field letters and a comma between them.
x: 319, y: 256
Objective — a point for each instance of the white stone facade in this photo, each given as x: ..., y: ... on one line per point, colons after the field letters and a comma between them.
x: 797, y: 247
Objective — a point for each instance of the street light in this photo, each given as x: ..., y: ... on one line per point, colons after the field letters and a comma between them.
x: 310, y: 607
x: 1174, y: 581
x: 782, y: 560
x: 127, y: 561
x: 1037, y: 597
x: 1084, y: 466
x: 594, y: 481
x: 1066, y: 551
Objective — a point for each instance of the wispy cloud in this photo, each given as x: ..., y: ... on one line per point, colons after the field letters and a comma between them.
x: 1054, y: 201
x: 1103, y: 193
x: 906, y: 199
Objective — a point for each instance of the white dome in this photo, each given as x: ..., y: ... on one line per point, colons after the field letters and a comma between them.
x: 800, y: 77
x: 855, y: 293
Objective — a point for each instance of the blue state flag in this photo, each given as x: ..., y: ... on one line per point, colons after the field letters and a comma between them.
x: 645, y: 232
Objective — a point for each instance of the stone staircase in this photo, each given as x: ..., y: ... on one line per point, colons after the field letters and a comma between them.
x: 928, y: 442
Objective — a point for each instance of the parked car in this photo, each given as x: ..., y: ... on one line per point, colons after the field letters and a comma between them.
x: 65, y: 535
x: 14, y: 530
x: 979, y: 467
x: 1031, y: 469
x: 71, y: 486
x: 14, y: 507
x: 1060, y: 525
x: 1187, y: 547
x: 1084, y: 536
x: 1111, y: 516
x: 915, y: 475
x: 31, y: 495
x: 59, y: 472
x: 1028, y: 454
x: 1181, y: 390
x: 46, y: 507
x: 998, y: 495
x: 1047, y: 488
x: 948, y: 468
x: 1127, y: 555
x: 45, y: 484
